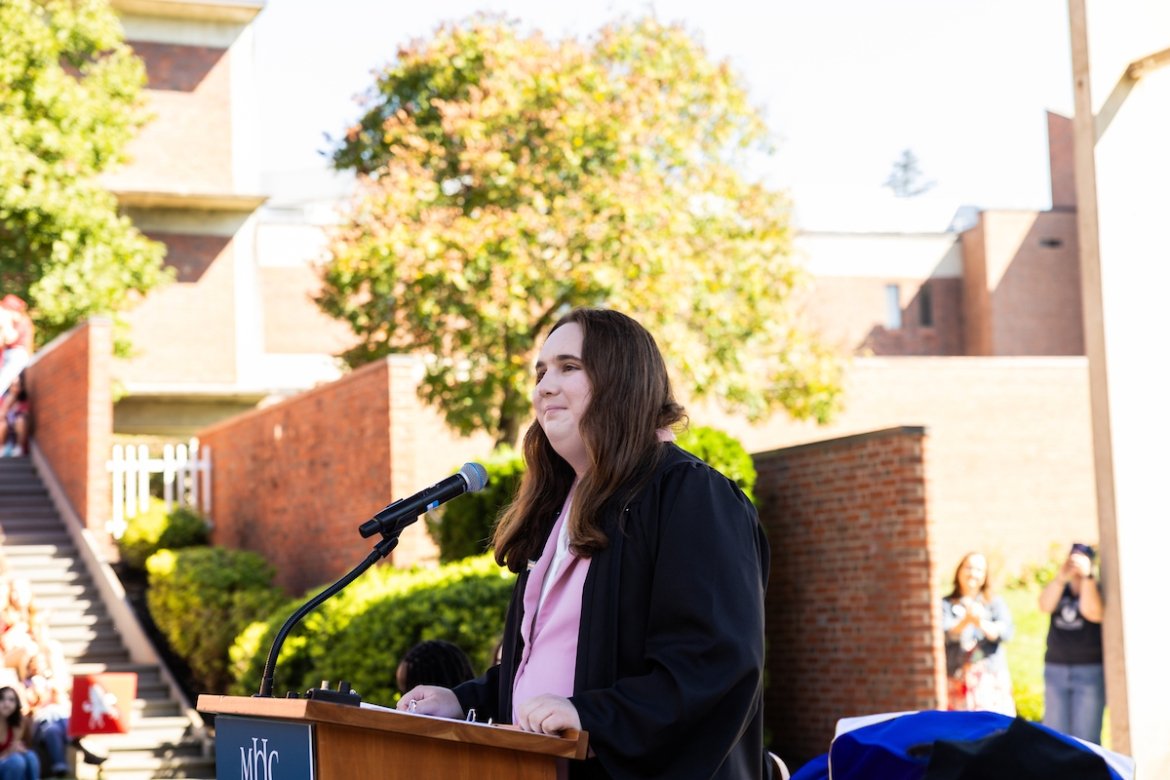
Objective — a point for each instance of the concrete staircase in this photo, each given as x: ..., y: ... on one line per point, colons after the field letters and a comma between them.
x: 166, y: 738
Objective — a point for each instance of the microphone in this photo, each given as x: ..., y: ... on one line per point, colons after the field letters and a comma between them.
x: 472, y: 478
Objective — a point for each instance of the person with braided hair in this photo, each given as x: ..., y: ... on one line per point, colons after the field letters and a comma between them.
x: 434, y: 662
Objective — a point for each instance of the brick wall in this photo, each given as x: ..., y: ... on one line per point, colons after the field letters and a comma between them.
x: 976, y: 301
x: 187, y: 146
x: 293, y: 481
x: 185, y: 332
x: 852, y: 618
x: 849, y: 312
x: 293, y: 323
x: 1034, y: 283
x: 1022, y: 288
x: 72, y: 407
x: 1060, y: 161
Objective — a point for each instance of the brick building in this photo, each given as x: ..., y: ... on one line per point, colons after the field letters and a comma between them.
x: 971, y: 332
x: 236, y: 327
x: 974, y: 335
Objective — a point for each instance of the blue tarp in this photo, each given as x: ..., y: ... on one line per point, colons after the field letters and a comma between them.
x: 935, y: 745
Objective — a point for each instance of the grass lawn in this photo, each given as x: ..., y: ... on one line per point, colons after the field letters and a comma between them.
x: 1026, y: 650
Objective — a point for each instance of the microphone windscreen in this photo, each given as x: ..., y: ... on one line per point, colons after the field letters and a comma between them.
x: 476, y: 476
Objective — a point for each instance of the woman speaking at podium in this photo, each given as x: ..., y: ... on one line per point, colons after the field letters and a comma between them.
x: 638, y: 613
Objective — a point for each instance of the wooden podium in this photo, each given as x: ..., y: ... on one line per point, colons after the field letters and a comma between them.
x: 263, y: 739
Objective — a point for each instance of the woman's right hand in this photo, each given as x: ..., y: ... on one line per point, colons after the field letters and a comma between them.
x: 431, y: 700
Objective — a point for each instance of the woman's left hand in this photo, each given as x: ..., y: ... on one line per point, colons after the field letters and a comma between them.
x: 548, y: 714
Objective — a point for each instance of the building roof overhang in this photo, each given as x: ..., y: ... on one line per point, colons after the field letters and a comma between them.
x: 204, y: 201
x: 236, y: 11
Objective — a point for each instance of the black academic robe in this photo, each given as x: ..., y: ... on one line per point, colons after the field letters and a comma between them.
x: 670, y: 657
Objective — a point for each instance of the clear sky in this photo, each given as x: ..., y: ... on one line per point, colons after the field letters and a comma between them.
x: 846, y: 85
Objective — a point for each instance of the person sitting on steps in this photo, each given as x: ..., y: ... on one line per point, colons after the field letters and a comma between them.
x: 15, y: 419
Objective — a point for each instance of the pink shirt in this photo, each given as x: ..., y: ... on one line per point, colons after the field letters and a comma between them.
x: 551, y: 620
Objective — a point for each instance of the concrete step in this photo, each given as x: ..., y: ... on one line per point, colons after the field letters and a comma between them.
x: 19, y: 553
x: 73, y: 617
x: 55, y: 572
x: 15, y: 493
x: 148, y: 733
x: 20, y: 538
x: 141, y: 767
x: 97, y: 628
x: 109, y: 648
x: 38, y: 547
x: 38, y: 513
x: 49, y: 590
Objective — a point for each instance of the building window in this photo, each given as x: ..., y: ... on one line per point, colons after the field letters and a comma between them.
x: 893, y: 307
x: 925, y: 306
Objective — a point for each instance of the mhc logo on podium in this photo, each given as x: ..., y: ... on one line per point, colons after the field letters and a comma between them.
x: 257, y: 749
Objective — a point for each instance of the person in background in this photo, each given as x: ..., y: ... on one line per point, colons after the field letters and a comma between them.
x: 15, y: 419
x: 976, y: 624
x: 1074, y: 672
x: 638, y: 612
x: 20, y: 614
x: 17, y: 762
x: 16, y: 338
x: 433, y: 662
x: 47, y: 694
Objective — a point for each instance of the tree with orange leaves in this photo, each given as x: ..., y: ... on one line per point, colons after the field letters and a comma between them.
x: 505, y: 178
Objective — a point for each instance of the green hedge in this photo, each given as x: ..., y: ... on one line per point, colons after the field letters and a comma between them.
x: 464, y: 527
x: 201, y: 598
x: 723, y: 452
x: 361, y: 633
x: 156, y: 529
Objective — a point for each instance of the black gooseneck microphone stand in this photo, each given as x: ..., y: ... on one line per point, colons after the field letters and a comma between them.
x: 383, y: 548
x: 390, y: 522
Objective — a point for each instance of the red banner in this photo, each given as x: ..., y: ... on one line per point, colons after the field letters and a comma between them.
x: 102, y: 703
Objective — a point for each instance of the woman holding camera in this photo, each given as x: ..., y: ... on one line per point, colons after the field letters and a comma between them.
x: 1074, y: 675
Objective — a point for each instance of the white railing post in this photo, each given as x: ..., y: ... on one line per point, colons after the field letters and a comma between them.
x: 186, y: 472
x: 168, y: 472
x: 117, y: 465
x: 143, y: 479
x: 131, y: 481
x: 205, y: 460
x: 193, y: 455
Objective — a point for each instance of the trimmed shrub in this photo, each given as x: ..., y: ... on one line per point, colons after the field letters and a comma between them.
x: 361, y: 633
x: 201, y: 598
x: 723, y: 452
x: 464, y: 527
x: 156, y: 529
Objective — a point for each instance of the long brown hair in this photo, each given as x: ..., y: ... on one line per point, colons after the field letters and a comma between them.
x: 984, y: 590
x: 630, y: 400
x: 16, y: 717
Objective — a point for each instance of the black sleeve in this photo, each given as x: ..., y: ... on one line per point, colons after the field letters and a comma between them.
x: 480, y: 694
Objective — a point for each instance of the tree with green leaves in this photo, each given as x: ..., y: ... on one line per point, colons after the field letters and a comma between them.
x: 70, y: 100
x: 506, y: 178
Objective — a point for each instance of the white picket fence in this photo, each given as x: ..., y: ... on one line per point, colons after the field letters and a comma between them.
x: 186, y: 471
